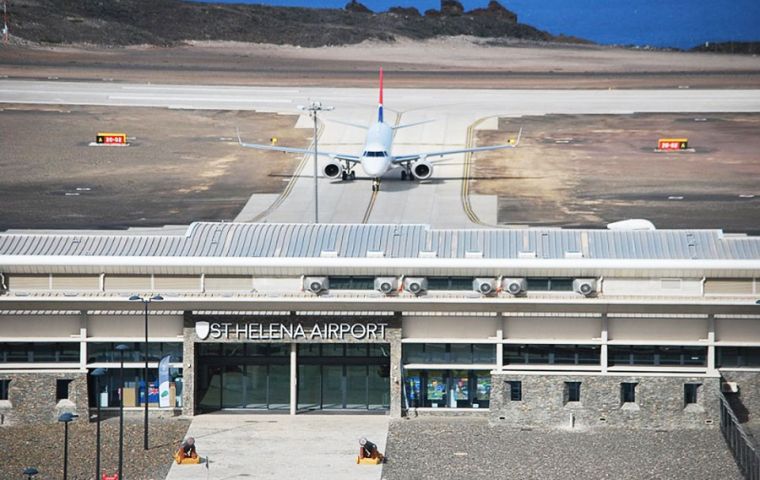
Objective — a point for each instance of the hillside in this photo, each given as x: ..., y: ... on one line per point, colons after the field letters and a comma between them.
x: 169, y: 22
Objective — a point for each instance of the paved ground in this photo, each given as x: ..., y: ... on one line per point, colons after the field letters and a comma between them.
x: 41, y: 446
x: 422, y: 449
x: 590, y: 170
x: 283, y: 447
x: 181, y: 166
x: 442, y: 201
x: 453, y: 62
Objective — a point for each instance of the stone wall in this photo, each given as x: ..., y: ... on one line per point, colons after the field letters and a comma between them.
x: 746, y: 403
x: 31, y: 397
x: 659, y: 402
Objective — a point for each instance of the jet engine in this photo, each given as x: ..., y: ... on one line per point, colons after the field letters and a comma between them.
x: 422, y: 169
x: 333, y: 169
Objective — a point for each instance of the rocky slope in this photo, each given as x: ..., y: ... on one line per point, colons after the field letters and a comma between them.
x: 169, y: 22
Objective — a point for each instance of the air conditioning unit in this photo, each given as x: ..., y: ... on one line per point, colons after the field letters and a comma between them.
x: 316, y: 285
x: 415, y: 285
x: 729, y: 387
x: 484, y: 286
x: 386, y: 285
x: 514, y: 286
x: 585, y: 286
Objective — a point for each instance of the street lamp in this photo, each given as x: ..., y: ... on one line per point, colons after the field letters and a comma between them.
x: 121, y: 348
x: 313, y: 108
x: 146, y: 301
x: 97, y: 373
x: 66, y: 418
x: 30, y: 472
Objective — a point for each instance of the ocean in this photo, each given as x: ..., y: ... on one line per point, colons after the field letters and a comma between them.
x: 659, y: 23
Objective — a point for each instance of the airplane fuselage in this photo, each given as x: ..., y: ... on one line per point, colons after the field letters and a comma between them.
x: 376, y: 157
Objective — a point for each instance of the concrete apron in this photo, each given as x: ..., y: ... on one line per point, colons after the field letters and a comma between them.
x: 245, y: 446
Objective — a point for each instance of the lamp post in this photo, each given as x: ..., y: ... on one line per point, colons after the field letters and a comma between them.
x: 313, y: 108
x: 121, y: 348
x: 66, y: 418
x: 30, y: 472
x: 97, y: 373
x: 146, y: 301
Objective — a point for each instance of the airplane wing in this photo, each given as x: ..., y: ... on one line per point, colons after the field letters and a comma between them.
x: 442, y: 153
x: 305, y: 151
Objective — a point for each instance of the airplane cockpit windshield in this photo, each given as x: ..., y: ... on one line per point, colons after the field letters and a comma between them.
x: 374, y: 154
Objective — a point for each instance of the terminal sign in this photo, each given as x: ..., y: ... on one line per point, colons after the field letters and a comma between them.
x: 111, y: 138
x: 292, y: 331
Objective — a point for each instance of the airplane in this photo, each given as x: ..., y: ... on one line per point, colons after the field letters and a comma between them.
x: 377, y: 158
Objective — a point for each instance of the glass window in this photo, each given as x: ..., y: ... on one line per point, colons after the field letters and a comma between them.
x: 588, y: 354
x: 435, y: 390
x: 435, y: 353
x: 561, y: 284
x: 538, y: 284
x: 204, y: 349
x: 106, y: 351
x: 572, y: 391
x: 460, y: 389
x: 332, y: 350
x: 308, y: 350
x: 449, y: 283
x: 352, y: 283
x: 356, y: 350
x: 483, y: 353
x: 539, y: 353
x: 515, y: 354
x: 438, y: 283
x: 738, y: 357
x: 414, y: 352
x: 4, y: 385
x: 233, y: 349
x: 460, y: 353
x: 565, y: 355
x: 482, y: 391
x: 690, y: 393
x: 413, y: 388
x: 515, y: 390
x: 627, y: 392
x: 62, y: 389
x: 14, y: 352
x: 379, y: 350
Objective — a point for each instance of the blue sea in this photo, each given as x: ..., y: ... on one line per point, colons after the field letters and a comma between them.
x: 659, y: 23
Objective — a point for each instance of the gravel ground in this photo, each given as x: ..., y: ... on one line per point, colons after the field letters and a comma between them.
x: 427, y: 448
x: 41, y: 446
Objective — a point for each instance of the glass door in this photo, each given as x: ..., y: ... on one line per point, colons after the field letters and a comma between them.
x: 279, y: 387
x: 356, y: 387
x: 255, y: 392
x: 309, y: 387
x: 332, y: 386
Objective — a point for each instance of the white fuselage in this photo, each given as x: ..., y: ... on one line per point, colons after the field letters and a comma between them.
x: 376, y: 157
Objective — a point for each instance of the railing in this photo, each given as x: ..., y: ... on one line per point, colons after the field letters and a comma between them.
x: 745, y: 454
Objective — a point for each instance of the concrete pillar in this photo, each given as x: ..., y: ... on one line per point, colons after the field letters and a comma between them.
x: 711, y: 345
x: 603, y: 350
x: 393, y: 336
x: 499, y: 350
x: 293, y: 378
x: 188, y: 366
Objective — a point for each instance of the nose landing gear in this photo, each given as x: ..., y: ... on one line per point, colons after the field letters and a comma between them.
x: 375, y: 184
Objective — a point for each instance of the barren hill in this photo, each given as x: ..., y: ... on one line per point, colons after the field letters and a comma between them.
x: 168, y: 22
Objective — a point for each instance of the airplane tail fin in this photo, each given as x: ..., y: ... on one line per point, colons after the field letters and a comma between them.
x: 380, y: 103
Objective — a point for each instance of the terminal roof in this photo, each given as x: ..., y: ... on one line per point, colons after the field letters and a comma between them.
x: 256, y: 240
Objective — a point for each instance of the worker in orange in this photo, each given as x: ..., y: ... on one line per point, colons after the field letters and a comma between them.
x: 186, y: 455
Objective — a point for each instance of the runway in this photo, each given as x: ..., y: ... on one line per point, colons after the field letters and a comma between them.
x: 444, y: 201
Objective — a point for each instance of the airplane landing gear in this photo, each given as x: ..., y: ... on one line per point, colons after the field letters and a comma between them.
x: 375, y: 184
x: 348, y: 175
x: 407, y: 173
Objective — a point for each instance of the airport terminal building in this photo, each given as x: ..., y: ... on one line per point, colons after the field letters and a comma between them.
x: 525, y: 326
